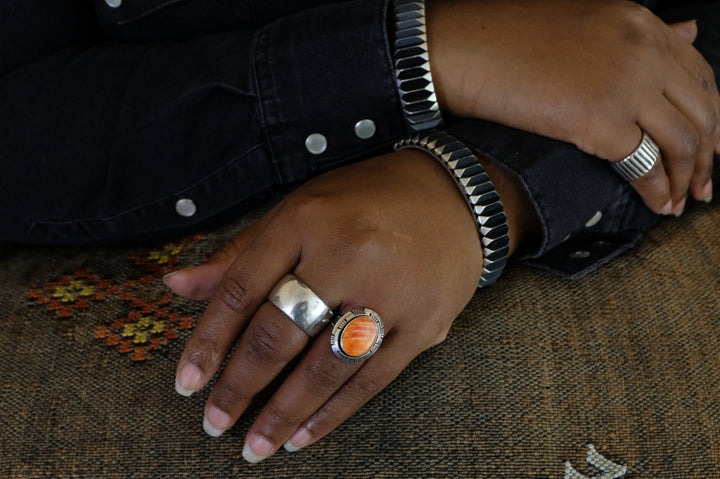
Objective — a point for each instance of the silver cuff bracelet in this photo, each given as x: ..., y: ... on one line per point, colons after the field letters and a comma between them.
x: 412, y: 66
x: 479, y: 192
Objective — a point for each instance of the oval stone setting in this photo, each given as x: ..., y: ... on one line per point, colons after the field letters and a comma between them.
x: 357, y: 335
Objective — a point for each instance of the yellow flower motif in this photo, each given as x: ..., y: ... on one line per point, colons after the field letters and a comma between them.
x: 74, y: 290
x: 158, y: 327
x: 164, y: 255
x: 143, y: 329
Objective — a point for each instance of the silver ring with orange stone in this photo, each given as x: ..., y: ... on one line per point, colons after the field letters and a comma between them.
x: 357, y: 334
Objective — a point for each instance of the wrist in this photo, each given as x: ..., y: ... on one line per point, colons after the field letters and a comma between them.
x: 479, y: 194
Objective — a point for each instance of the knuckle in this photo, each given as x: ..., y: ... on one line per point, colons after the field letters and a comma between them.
x: 706, y: 77
x: 355, y: 241
x: 710, y: 123
x: 266, y: 343
x: 234, y: 295
x: 209, y: 350
x: 282, y: 418
x: 323, y: 375
x: 227, y: 394
x: 689, y: 146
x: 307, y: 204
x: 363, y: 385
x: 635, y: 22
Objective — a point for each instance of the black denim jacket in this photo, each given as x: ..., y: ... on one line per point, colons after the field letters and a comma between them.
x: 212, y: 102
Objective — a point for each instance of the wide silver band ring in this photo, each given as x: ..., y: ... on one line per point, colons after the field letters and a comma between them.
x: 300, y: 304
x: 357, y: 334
x: 640, y: 161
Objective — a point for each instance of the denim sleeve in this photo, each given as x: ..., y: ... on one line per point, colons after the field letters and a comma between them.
x: 319, y: 73
x: 124, y: 141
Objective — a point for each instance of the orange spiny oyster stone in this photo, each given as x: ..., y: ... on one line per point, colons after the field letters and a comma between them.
x: 359, y: 336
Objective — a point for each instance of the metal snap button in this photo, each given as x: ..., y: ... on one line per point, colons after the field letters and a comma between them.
x: 316, y: 144
x: 594, y: 220
x: 365, y: 129
x: 186, y: 207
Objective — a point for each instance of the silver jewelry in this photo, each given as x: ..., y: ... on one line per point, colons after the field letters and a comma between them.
x: 412, y: 66
x: 479, y: 193
x: 300, y: 304
x: 640, y: 161
x: 357, y: 335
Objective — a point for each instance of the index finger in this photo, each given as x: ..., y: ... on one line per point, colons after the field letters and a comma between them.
x: 242, y: 290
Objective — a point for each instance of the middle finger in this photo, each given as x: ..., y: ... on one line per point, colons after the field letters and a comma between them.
x: 269, y: 343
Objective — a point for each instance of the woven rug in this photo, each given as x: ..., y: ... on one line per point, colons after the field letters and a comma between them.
x: 538, y: 375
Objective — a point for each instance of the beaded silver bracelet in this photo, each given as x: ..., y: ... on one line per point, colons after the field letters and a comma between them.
x: 479, y: 193
x: 412, y: 66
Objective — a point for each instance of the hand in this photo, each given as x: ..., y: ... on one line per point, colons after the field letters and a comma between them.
x: 391, y: 233
x: 591, y: 73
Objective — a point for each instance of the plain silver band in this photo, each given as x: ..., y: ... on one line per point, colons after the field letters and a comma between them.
x: 640, y: 161
x: 300, y: 304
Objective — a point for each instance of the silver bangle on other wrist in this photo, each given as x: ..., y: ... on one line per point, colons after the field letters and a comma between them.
x: 479, y: 193
x: 412, y: 66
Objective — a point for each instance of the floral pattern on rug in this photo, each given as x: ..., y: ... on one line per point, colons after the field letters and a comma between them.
x: 150, y: 323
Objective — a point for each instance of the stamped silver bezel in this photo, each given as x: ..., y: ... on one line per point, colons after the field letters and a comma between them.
x: 342, y: 323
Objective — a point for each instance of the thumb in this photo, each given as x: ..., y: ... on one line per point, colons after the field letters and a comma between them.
x: 200, y: 282
x: 687, y: 30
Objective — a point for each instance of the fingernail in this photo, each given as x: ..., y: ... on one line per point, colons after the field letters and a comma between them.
x: 299, y: 440
x: 679, y: 208
x: 216, y: 422
x: 167, y: 277
x: 256, y: 449
x: 188, y: 379
x: 667, y: 209
x: 708, y: 191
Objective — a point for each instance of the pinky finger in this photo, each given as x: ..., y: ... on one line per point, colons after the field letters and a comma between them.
x: 375, y: 374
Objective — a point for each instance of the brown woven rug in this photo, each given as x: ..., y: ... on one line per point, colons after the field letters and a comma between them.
x: 536, y: 369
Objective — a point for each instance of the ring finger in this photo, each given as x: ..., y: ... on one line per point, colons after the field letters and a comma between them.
x: 320, y: 374
x: 373, y: 376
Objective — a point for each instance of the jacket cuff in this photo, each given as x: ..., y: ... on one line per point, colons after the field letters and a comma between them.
x: 327, y: 88
x: 588, y: 214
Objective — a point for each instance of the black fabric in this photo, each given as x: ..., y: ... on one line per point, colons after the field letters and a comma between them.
x: 33, y: 29
x: 108, y: 123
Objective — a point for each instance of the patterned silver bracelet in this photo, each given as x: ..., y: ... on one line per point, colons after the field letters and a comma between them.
x: 412, y: 66
x: 479, y: 192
